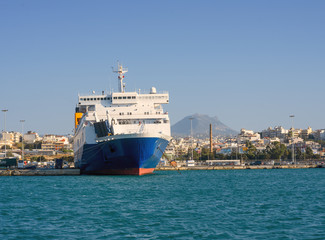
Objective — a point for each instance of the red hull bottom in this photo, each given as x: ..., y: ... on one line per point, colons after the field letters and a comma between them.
x: 127, y: 171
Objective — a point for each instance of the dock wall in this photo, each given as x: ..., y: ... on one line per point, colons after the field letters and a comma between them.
x: 76, y: 172
x: 40, y: 172
x: 235, y: 167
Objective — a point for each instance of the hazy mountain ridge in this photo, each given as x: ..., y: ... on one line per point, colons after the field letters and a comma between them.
x: 201, y: 126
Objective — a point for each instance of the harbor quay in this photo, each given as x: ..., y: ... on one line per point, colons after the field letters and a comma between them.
x: 40, y: 172
x: 234, y: 167
x: 76, y: 172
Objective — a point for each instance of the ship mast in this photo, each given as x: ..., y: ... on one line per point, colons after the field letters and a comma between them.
x: 120, y: 70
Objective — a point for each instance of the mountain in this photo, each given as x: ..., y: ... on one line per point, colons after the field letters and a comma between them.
x: 201, y: 126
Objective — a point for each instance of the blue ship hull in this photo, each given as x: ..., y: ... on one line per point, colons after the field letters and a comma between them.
x: 131, y: 156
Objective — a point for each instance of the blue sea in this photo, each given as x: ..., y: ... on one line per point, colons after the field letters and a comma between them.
x: 223, y: 204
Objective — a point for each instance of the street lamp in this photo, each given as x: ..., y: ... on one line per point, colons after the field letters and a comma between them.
x: 22, y: 139
x: 5, y: 111
x: 237, y: 148
x: 292, y: 143
x: 191, y: 118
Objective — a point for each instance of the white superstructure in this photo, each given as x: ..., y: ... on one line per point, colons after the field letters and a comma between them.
x: 124, y: 113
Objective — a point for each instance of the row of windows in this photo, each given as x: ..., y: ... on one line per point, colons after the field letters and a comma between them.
x: 126, y: 97
x: 128, y: 121
x: 95, y: 99
x: 152, y: 97
x: 141, y: 97
x: 128, y: 113
x: 129, y: 97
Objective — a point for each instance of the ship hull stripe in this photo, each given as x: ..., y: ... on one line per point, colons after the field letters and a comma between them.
x: 129, y: 171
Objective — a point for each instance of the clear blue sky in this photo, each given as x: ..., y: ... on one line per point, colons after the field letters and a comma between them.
x: 251, y: 63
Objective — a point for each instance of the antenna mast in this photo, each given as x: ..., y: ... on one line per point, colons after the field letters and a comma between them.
x: 120, y: 70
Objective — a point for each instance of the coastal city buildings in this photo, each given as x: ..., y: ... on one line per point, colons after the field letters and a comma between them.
x: 319, y: 134
x: 276, y: 132
x: 248, y: 135
x: 31, y: 137
x: 47, y: 145
x: 255, y: 143
x: 306, y: 141
x: 56, y: 143
x: 9, y: 138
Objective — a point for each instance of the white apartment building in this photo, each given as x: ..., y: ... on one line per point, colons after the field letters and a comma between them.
x: 319, y: 134
x: 5, y: 139
x: 306, y: 132
x: 31, y: 137
x: 55, y: 143
x: 277, y: 132
x: 248, y: 135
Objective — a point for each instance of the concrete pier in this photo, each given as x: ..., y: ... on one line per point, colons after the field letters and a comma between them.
x: 40, y: 172
x: 76, y: 172
x: 233, y: 167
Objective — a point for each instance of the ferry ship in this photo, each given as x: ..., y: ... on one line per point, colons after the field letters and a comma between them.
x: 120, y: 133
